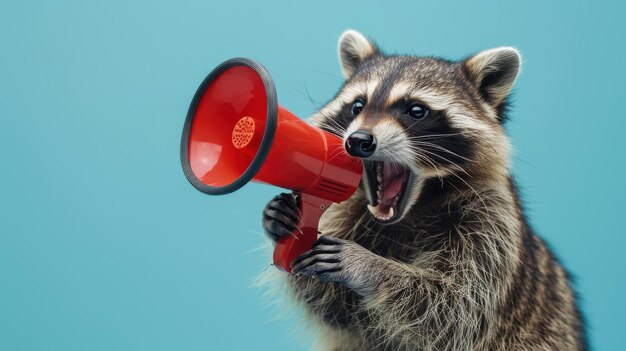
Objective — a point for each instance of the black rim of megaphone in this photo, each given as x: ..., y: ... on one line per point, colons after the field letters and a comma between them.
x: 266, y: 141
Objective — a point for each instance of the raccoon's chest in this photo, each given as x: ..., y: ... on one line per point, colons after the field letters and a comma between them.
x: 332, y: 303
x: 402, y: 242
x: 338, y: 305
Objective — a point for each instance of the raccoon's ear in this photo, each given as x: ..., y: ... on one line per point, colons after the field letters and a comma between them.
x: 494, y: 71
x: 354, y: 48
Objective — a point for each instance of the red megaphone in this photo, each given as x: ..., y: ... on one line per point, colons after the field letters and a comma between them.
x: 235, y: 132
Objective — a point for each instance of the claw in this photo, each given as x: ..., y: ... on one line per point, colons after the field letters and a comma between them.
x: 281, y: 217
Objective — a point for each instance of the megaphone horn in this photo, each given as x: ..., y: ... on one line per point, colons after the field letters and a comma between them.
x: 235, y: 132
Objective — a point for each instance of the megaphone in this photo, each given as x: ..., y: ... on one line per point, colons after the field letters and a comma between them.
x: 236, y: 132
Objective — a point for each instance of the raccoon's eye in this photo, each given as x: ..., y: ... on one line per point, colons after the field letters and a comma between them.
x: 357, y: 106
x: 417, y: 111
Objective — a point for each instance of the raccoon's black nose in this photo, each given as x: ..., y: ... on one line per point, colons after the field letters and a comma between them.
x: 361, y: 144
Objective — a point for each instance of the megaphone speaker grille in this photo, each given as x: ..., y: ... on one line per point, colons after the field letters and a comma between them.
x: 243, y: 132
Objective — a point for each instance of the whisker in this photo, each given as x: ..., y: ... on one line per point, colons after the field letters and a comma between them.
x: 443, y: 149
x: 338, y: 78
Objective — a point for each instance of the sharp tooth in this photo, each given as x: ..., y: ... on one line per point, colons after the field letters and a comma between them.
x: 371, y: 208
x: 390, y: 212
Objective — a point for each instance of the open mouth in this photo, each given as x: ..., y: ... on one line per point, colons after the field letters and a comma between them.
x: 386, y: 185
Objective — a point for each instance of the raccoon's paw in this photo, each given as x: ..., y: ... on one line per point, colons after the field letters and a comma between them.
x: 342, y: 261
x: 280, y: 216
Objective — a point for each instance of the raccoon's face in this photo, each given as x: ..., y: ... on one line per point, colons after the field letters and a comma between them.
x: 412, y: 119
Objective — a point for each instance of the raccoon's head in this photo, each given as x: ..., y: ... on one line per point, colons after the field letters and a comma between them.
x: 412, y: 119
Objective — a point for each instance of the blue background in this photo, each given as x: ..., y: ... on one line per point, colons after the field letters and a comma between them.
x: 105, y: 246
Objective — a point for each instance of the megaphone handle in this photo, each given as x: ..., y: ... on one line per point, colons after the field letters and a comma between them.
x: 288, y: 248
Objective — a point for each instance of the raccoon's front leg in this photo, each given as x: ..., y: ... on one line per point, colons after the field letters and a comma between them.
x: 280, y: 216
x: 343, y: 261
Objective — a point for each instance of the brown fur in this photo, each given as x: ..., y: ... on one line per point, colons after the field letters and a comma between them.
x: 462, y: 270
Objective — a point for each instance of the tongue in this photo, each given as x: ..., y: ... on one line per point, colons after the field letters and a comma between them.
x: 392, y: 181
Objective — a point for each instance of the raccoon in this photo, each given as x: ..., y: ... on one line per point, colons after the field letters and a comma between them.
x: 433, y: 251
